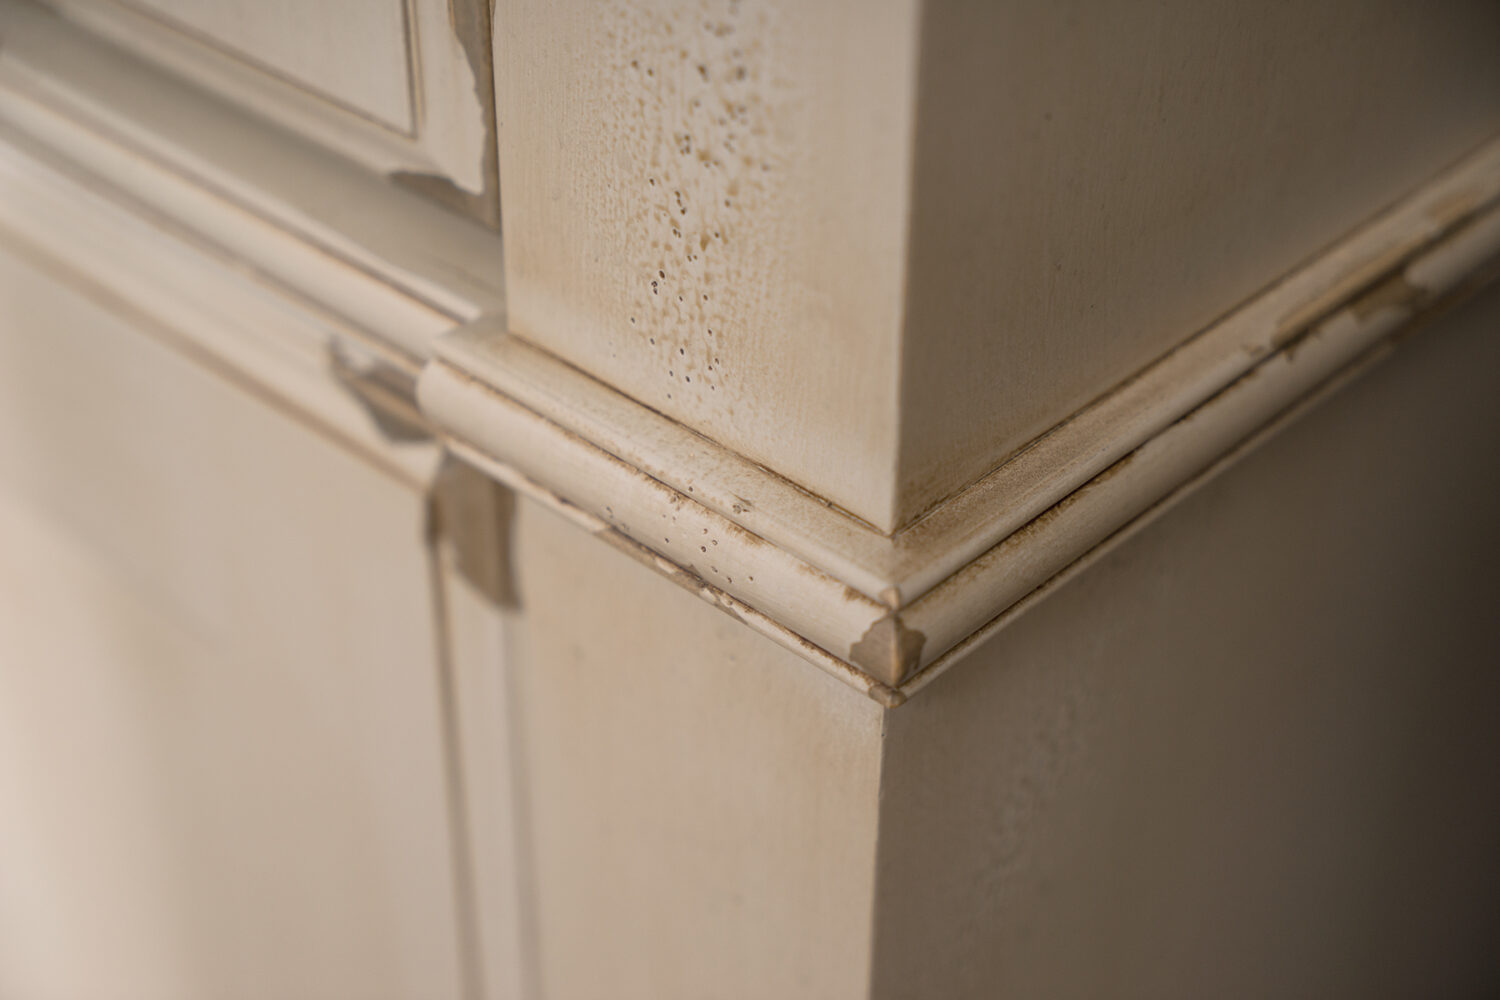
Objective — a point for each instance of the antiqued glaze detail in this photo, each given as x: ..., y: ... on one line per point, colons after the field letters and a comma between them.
x: 696, y: 225
x: 696, y: 142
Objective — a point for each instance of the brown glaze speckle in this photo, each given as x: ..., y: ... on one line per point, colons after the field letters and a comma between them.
x: 699, y: 142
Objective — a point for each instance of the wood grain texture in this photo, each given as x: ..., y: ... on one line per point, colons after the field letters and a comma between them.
x: 706, y: 209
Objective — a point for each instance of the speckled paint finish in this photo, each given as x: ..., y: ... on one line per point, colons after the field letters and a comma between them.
x: 709, y: 210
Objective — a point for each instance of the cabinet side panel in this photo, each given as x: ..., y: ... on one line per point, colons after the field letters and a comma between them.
x: 1095, y: 183
x: 1250, y: 752
x: 701, y: 802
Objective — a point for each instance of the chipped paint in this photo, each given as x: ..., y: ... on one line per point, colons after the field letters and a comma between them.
x: 1392, y: 291
x: 472, y: 22
x: 1296, y: 324
x: 1395, y: 292
x: 1374, y: 281
x: 882, y: 693
x: 1046, y: 517
x: 889, y: 650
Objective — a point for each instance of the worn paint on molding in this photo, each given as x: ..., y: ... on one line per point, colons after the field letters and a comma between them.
x: 909, y: 641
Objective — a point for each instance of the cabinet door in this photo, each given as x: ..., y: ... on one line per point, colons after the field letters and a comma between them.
x: 222, y: 770
x: 403, y: 86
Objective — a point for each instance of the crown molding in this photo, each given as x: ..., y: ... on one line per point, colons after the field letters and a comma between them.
x: 893, y: 611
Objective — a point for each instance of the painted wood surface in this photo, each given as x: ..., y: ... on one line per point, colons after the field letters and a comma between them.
x: 409, y: 735
x: 382, y: 259
x: 350, y: 52
x: 1245, y: 751
x: 880, y: 253
x: 707, y: 211
x: 1093, y: 185
x: 700, y: 807
x: 1250, y: 751
x: 222, y: 765
x: 860, y: 603
x: 404, y: 87
x: 894, y: 610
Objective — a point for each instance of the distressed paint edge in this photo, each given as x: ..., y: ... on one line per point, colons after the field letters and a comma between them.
x: 467, y: 26
x: 899, y: 570
x: 452, y: 163
x: 932, y: 671
x: 901, y: 647
x: 767, y: 626
x: 735, y: 487
x: 692, y: 538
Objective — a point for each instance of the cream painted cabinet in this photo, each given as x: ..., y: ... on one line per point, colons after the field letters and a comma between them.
x: 223, y: 765
x: 402, y: 86
x: 561, y: 500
